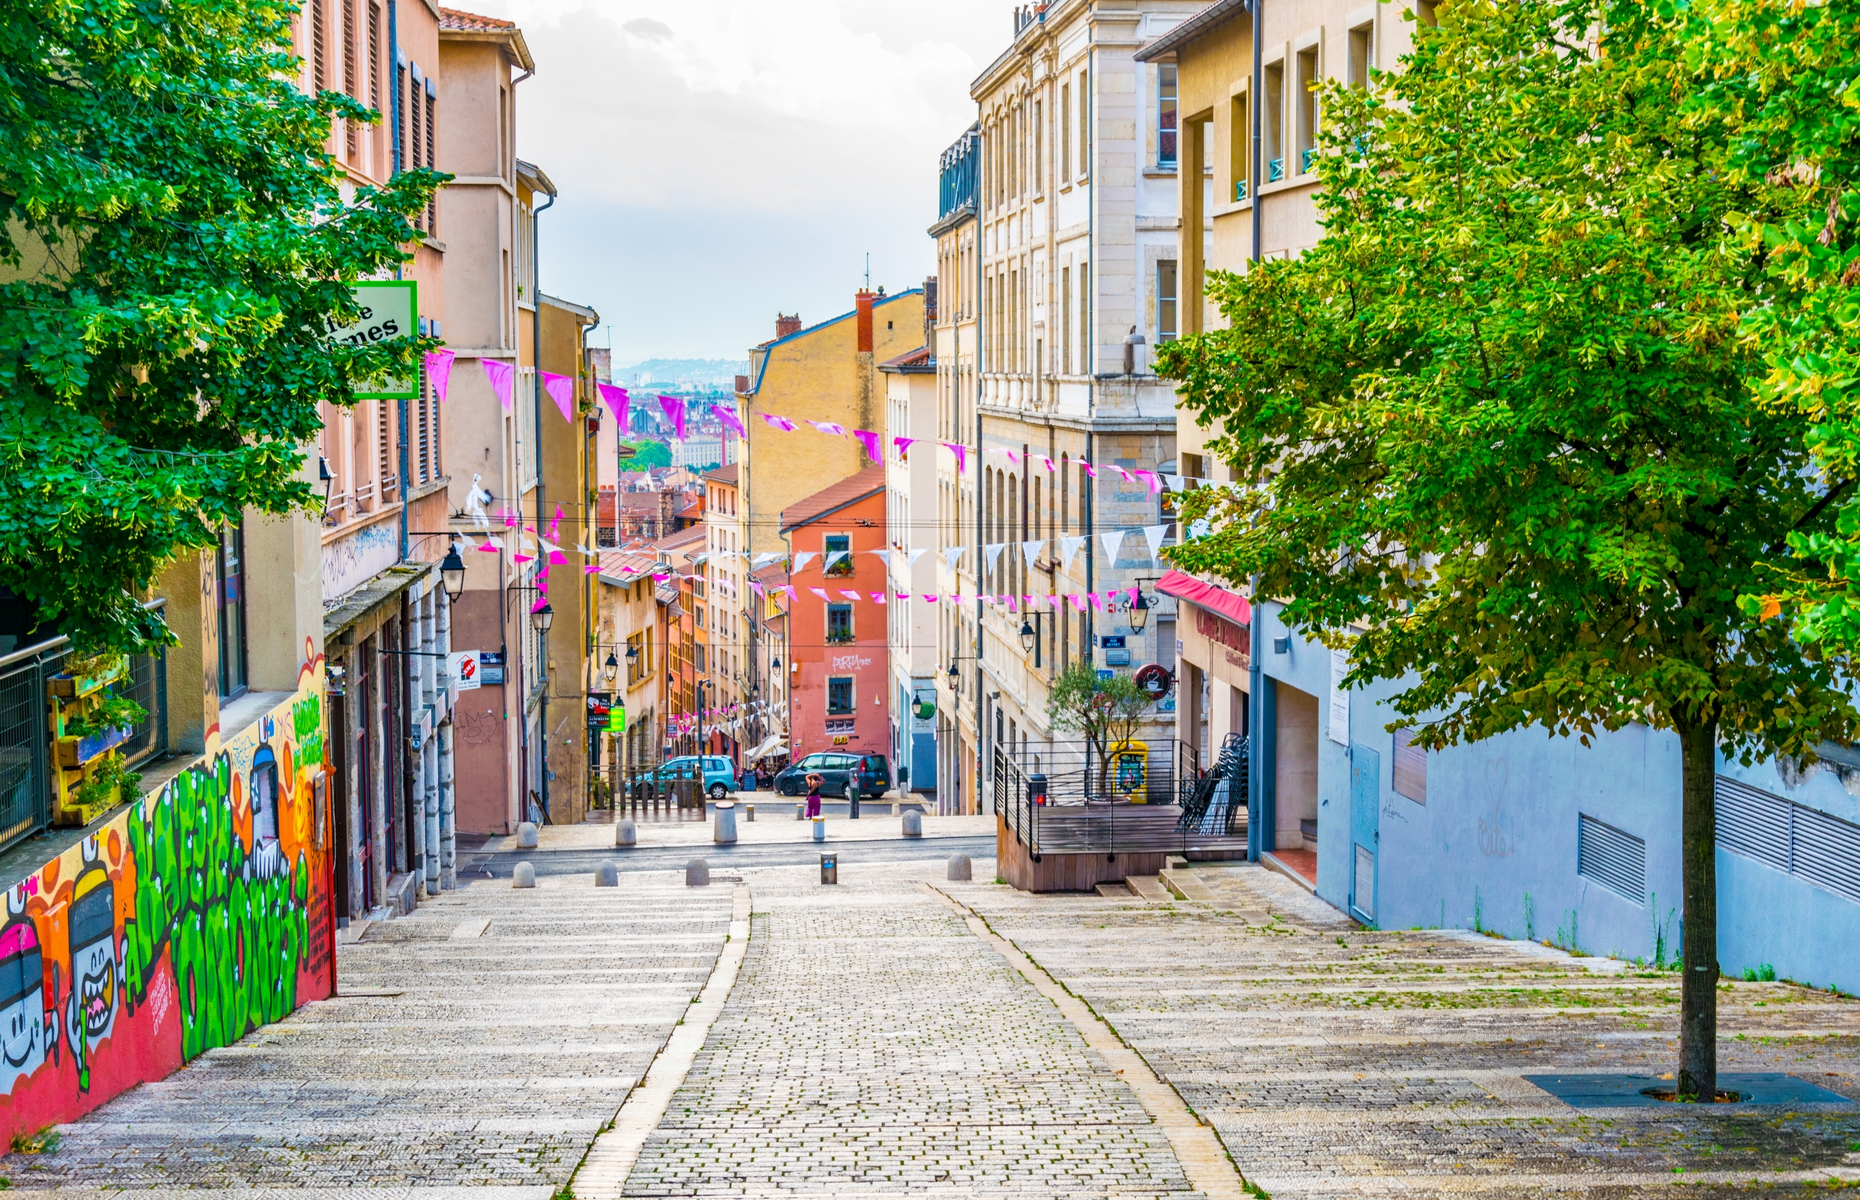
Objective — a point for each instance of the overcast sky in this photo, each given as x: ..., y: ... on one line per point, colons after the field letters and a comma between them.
x: 722, y: 160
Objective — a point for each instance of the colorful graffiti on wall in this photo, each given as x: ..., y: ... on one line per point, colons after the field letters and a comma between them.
x: 182, y: 925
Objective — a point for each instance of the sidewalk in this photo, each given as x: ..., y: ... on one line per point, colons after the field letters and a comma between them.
x: 774, y: 823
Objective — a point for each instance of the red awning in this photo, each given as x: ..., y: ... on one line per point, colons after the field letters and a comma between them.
x: 1208, y: 595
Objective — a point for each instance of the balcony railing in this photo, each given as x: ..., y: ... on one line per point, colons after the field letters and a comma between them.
x: 27, y: 787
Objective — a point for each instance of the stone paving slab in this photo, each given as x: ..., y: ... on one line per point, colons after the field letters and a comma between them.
x: 487, y: 1076
x: 874, y: 1047
x: 1340, y: 1062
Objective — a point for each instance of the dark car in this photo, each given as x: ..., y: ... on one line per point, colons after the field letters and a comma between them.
x: 841, y: 774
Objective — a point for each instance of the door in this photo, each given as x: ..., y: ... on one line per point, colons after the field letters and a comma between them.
x: 1365, y: 829
x: 363, y: 764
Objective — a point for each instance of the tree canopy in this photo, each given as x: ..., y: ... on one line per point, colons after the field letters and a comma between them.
x: 178, y: 241
x: 1497, y: 431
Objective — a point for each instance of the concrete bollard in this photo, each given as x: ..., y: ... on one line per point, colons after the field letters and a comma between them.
x: 800, y: 812
x: 524, y: 876
x: 820, y: 829
x: 894, y: 808
x: 959, y: 871
x: 749, y: 812
x: 607, y: 875
x: 626, y: 833
x: 723, y: 829
x: 913, y: 823
x: 526, y: 836
x: 697, y: 873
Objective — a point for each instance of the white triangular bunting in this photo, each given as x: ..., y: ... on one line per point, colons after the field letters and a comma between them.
x: 1113, y: 538
x: 1154, y: 534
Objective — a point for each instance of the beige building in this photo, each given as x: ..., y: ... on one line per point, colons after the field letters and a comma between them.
x: 1074, y: 277
x: 1258, y: 201
x: 911, y: 382
x: 627, y: 653
x: 729, y: 616
x: 826, y: 372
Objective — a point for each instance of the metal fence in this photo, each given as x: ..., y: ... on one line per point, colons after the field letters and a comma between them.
x: 1159, y: 801
x: 26, y: 783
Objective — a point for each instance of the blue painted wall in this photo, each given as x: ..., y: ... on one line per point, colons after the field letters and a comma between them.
x: 1495, y: 844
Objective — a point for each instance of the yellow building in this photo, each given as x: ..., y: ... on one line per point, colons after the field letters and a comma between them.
x: 827, y: 373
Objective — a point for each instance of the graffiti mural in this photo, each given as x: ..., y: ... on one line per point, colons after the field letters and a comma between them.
x: 190, y: 920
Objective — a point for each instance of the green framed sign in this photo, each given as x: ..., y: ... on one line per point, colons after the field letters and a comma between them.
x: 390, y: 309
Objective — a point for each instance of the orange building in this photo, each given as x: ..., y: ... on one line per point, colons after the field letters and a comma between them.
x: 837, y: 641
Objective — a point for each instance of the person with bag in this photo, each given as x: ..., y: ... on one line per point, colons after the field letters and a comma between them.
x: 813, y: 796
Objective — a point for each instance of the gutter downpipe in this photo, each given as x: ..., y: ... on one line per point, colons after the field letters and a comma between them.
x: 981, y: 366
x: 1256, y: 781
x: 542, y: 717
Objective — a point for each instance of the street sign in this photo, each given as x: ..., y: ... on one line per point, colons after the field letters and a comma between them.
x: 1155, y: 680
x: 491, y: 667
x: 464, y: 668
x: 390, y: 309
x: 616, y: 719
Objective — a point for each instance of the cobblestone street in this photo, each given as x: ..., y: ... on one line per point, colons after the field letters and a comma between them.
x: 886, y: 1037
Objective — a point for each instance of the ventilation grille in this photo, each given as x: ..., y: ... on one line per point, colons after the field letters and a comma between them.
x: 1612, y: 857
x: 1804, y: 842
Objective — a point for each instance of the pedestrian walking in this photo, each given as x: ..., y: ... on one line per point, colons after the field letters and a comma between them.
x: 813, y: 795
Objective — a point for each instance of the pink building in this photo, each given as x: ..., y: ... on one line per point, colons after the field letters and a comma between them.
x: 837, y: 642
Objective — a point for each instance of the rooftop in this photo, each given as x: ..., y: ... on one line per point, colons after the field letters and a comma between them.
x: 724, y: 474
x: 849, y: 490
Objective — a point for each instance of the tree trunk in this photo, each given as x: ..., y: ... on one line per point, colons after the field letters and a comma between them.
x: 1698, y: 993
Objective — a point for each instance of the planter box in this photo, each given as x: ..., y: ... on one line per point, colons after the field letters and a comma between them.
x: 76, y: 752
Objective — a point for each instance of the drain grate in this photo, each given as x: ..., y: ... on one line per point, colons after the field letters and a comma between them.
x: 1624, y: 1091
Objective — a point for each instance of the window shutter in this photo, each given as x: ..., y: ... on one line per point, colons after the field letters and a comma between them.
x: 1612, y: 857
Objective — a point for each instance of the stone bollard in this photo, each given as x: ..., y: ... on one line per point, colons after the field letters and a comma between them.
x: 894, y: 808
x: 913, y: 823
x: 800, y: 812
x: 606, y: 875
x: 820, y: 829
x: 526, y: 836
x: 959, y: 868
x: 697, y: 873
x: 749, y: 812
x: 523, y: 876
x: 626, y: 833
x: 723, y: 830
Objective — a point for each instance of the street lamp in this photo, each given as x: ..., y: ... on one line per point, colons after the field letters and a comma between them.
x: 613, y: 668
x: 1139, y: 612
x: 1131, y: 343
x: 1027, y: 637
x: 955, y: 676
x: 542, y: 618
x: 452, y: 573
x: 327, y: 477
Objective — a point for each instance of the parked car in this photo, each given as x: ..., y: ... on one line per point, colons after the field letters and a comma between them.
x: 841, y: 774
x: 719, y: 775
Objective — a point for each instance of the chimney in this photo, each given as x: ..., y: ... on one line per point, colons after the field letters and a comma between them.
x: 742, y: 385
x: 786, y: 325
x: 863, y: 299
x: 930, y: 298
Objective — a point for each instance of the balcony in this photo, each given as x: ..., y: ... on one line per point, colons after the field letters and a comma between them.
x: 1074, y: 824
x: 37, y: 769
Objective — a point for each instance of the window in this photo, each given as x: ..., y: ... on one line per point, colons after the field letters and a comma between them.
x: 1085, y: 347
x: 839, y: 624
x: 231, y: 573
x: 837, y: 544
x: 1039, y: 148
x: 1239, y: 142
x: 840, y: 695
x: 1065, y: 320
x: 1307, y: 109
x: 1410, y: 762
x: 1362, y: 54
x: 1272, y: 134
x: 699, y: 647
x: 374, y: 54
x: 432, y: 156
x: 351, y: 74
x: 1165, y: 116
x: 1084, y: 124
x: 319, y: 45
x: 1424, y: 13
x: 1065, y: 131
x: 1165, y: 300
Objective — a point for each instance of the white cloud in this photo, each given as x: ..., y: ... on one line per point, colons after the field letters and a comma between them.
x: 778, y: 143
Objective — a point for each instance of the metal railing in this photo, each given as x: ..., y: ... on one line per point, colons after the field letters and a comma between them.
x: 1154, y: 802
x: 26, y: 785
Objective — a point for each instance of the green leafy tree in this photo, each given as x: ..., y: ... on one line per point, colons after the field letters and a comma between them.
x: 647, y: 455
x: 1498, y: 424
x: 1106, y: 712
x: 177, y: 247
x: 1788, y: 73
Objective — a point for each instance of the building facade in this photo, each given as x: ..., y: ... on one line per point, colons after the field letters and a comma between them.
x: 837, y: 643
x: 911, y: 539
x: 1524, y: 834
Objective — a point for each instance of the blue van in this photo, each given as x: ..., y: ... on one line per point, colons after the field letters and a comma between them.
x: 719, y: 775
